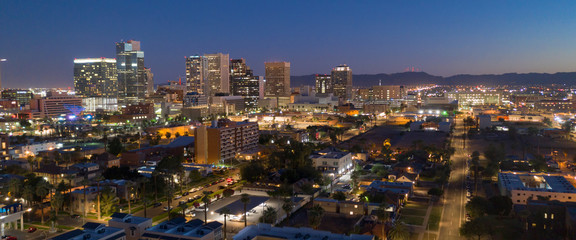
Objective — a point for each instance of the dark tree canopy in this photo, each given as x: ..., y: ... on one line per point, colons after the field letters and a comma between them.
x: 121, y: 173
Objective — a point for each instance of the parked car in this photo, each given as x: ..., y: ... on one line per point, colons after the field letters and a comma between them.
x: 236, y: 218
x: 177, y: 197
x: 182, y: 202
x: 31, y: 229
x: 75, y: 216
x: 185, y: 194
x: 166, y: 209
x: 201, y: 208
x: 157, y: 204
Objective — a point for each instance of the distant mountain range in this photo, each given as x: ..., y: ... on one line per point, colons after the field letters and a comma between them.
x: 417, y: 78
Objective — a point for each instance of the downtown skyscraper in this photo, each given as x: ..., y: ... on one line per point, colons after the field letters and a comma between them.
x: 277, y: 79
x: 342, y: 82
x: 323, y: 83
x: 95, y: 77
x: 208, y: 74
x: 132, y: 80
x: 244, y: 83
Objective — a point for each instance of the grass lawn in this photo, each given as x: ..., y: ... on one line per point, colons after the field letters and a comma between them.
x: 412, y: 211
x: 430, y: 236
x: 434, y: 220
x: 412, y: 220
x: 413, y: 205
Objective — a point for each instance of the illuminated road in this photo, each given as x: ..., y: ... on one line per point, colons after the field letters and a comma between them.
x: 455, y: 195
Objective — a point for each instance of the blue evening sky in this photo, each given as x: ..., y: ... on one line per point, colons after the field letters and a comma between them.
x: 40, y: 39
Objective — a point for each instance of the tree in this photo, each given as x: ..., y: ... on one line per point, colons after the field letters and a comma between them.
x: 502, y: 205
x: 168, y: 135
x: 15, y: 187
x: 253, y: 171
x: 399, y: 231
x: 288, y: 206
x: 478, y: 207
x: 57, y: 203
x: 142, y: 182
x: 384, y: 218
x: 25, y: 123
x: 42, y: 189
x: 315, y: 215
x: 269, y: 215
x: 206, y: 201
x: 435, y: 193
x: 245, y: 199
x: 108, y: 201
x: 195, y: 176
x: 476, y: 227
x: 115, y: 146
x: 228, y: 192
x: 129, y: 191
x: 225, y: 212
x: 28, y: 195
x: 339, y: 195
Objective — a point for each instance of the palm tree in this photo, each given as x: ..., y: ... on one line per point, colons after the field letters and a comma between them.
x: 315, y: 215
x: 84, y: 183
x: 183, y: 206
x: 245, y: 199
x: 225, y: 212
x: 98, y: 179
x: 142, y: 181
x: 288, y: 206
x: 42, y: 189
x: 28, y: 195
x: 70, y: 178
x: 206, y: 201
x: 129, y: 189
x: 155, y: 175
x: 269, y: 215
x: 383, y: 217
x: 399, y: 231
x: 56, y: 203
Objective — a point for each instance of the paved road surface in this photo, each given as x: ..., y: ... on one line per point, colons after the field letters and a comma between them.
x: 455, y: 195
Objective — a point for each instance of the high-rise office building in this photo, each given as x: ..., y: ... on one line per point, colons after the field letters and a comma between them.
x: 132, y: 81
x: 342, y: 81
x: 208, y: 74
x: 95, y: 77
x: 149, y: 76
x: 323, y: 83
x: 244, y: 83
x: 196, y: 74
x: 277, y: 79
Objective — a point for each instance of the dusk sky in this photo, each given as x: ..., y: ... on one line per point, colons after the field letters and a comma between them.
x: 40, y: 39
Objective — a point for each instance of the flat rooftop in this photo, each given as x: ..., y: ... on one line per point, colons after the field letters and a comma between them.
x: 535, y: 182
x: 265, y: 230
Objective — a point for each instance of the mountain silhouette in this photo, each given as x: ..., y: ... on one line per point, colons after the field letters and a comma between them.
x: 416, y: 78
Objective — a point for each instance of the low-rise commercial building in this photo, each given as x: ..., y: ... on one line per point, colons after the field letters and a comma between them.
x: 178, y: 228
x: 524, y: 186
x: 336, y: 162
x: 266, y: 231
x: 93, y: 230
x: 133, y: 226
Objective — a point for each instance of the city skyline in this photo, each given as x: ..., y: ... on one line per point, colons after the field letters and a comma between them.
x: 439, y: 38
